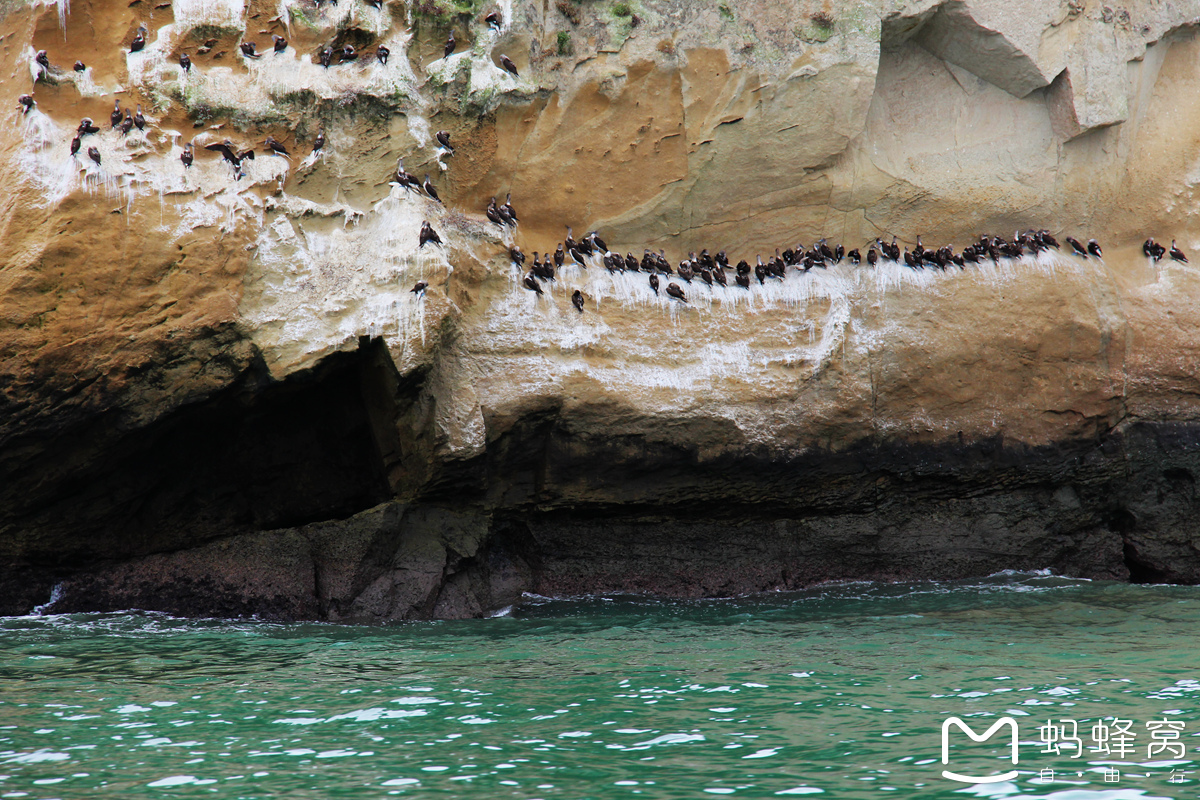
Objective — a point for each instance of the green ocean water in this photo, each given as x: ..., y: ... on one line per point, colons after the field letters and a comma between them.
x: 839, y: 693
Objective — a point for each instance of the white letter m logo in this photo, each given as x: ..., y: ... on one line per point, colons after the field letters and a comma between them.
x: 997, y: 725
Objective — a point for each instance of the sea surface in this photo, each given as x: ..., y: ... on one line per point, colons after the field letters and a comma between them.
x: 838, y: 692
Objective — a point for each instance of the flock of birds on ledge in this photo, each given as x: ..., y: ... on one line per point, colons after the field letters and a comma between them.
x: 711, y: 269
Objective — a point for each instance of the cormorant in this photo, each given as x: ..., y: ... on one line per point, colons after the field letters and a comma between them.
x: 448, y: 50
x: 508, y: 65
x: 532, y: 284
x: 577, y: 300
x: 1177, y: 254
x: 428, y: 234
x: 429, y: 188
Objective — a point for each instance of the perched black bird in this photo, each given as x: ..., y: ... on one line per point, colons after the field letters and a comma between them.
x: 1077, y: 247
x: 1177, y: 254
x: 570, y: 242
x: 743, y: 279
x: 560, y: 255
x: 405, y: 179
x: 319, y: 142
x: 674, y: 290
x: 428, y: 234
x: 276, y: 147
x: 139, y: 40
x: 185, y: 62
x: 27, y: 103
x: 280, y: 42
x: 448, y: 50
x: 80, y: 66
x: 654, y: 282
x: 1094, y: 248
x: 443, y: 139
x: 139, y: 120
x: 227, y: 152
x: 517, y: 256
x: 187, y: 156
x: 42, y: 59
x: 506, y: 210
x: 419, y: 287
x: 116, y: 115
x: 86, y: 127
x: 249, y: 50
x: 595, y: 240
x: 375, y: 3
x: 74, y: 146
x: 719, y: 276
x: 326, y: 56
x: 348, y: 53
x: 382, y: 54
x: 94, y: 155
x: 493, y: 214
x: 532, y: 284
x: 127, y: 123
x: 855, y: 257
x: 577, y: 300
x: 429, y: 188
x: 508, y: 65
x: 493, y: 20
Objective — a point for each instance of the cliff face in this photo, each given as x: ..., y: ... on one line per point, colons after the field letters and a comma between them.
x: 218, y: 395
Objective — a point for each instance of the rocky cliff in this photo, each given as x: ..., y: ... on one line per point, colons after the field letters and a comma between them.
x: 219, y: 395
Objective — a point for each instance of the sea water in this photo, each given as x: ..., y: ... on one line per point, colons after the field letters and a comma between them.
x: 839, y: 692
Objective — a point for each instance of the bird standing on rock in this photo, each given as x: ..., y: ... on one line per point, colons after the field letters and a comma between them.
x: 1077, y: 247
x: 1177, y: 254
x: 139, y: 40
x: 448, y: 50
x: 654, y: 282
x: 429, y: 188
x: 348, y: 53
x: 276, y: 147
x: 674, y: 290
x: 319, y: 142
x: 493, y: 20
x: 27, y: 103
x: 187, y: 156
x: 419, y: 287
x: 248, y: 50
x: 185, y: 62
x: 577, y: 300
x: 42, y: 60
x: 443, y: 139
x: 75, y: 143
x: 326, y: 56
x: 116, y: 115
x: 531, y: 284
x: 139, y: 120
x: 86, y: 127
x: 94, y: 155
x: 428, y: 234
x: 508, y: 65
x: 127, y: 123
x: 80, y: 66
x: 1094, y: 248
x: 280, y: 42
x: 382, y: 54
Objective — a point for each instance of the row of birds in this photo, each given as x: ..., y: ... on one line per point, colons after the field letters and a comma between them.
x: 711, y: 269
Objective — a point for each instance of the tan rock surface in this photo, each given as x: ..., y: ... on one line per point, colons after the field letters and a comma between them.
x: 135, y: 290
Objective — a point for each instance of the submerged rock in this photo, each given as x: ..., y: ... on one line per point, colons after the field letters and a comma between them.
x: 219, y: 395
